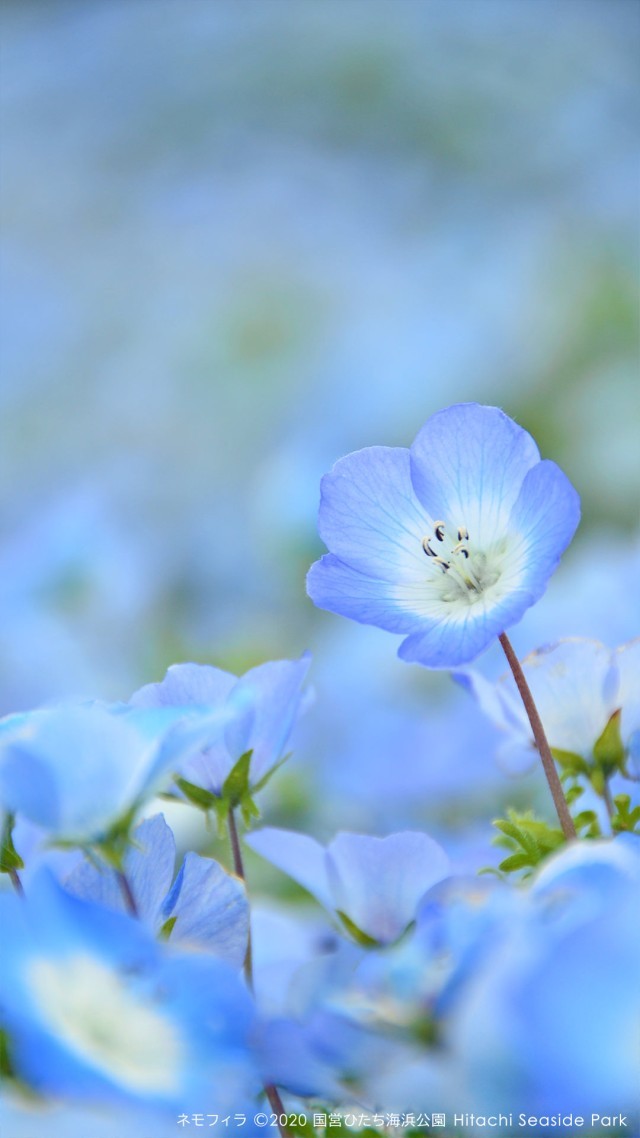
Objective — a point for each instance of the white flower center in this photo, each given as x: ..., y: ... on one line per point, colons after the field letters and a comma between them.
x: 464, y: 573
x: 96, y: 1015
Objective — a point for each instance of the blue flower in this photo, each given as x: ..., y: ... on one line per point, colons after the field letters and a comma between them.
x: 578, y: 686
x: 98, y: 1011
x: 76, y: 771
x: 373, y: 885
x: 262, y: 708
x: 447, y: 543
x: 207, y: 906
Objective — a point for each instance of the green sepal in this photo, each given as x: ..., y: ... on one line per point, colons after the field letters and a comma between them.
x: 357, y: 934
x: 198, y: 796
x: 236, y: 784
x: 573, y: 793
x: 608, y: 750
x: 570, y: 763
x: 9, y: 856
x: 587, y: 824
x: 516, y: 861
x: 626, y: 819
x: 167, y: 928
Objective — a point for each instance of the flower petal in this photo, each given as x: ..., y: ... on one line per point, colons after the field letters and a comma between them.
x: 378, y: 882
x: 370, y: 517
x: 297, y: 855
x: 457, y: 639
x: 210, y: 907
x: 467, y: 466
x: 542, y: 523
x: 337, y: 587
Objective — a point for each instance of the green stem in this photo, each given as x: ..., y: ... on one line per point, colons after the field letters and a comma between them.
x: 544, y: 750
x: 272, y: 1093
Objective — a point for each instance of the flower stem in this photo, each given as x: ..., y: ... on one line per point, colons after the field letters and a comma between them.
x: 608, y: 800
x: 272, y: 1093
x: 127, y: 893
x: 14, y: 878
x: 553, y: 779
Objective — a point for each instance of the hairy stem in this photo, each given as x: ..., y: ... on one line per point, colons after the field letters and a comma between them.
x: 553, y: 779
x: 270, y: 1090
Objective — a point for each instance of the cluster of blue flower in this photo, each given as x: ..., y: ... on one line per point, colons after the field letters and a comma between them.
x: 132, y: 995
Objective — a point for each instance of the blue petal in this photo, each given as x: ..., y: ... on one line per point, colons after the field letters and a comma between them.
x: 297, y: 855
x: 379, y: 882
x: 148, y: 865
x: 370, y: 517
x: 185, y: 685
x: 211, y: 909
x: 458, y: 639
x: 467, y: 465
x: 274, y: 693
x: 335, y: 586
x: 543, y: 521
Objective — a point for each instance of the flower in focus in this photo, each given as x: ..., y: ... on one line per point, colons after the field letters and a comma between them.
x: 447, y: 543
x: 373, y: 885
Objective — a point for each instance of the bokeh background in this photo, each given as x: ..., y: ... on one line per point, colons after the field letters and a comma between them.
x: 244, y: 237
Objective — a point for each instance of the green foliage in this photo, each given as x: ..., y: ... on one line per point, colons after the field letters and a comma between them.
x: 608, y: 750
x: 237, y: 792
x: 167, y: 928
x: 9, y: 856
x: 626, y: 819
x: 529, y: 840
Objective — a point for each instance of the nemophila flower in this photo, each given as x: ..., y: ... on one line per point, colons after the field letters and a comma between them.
x: 97, y: 1010
x: 372, y: 885
x: 447, y: 543
x: 581, y: 688
x: 205, y: 907
x: 262, y: 706
x: 78, y: 770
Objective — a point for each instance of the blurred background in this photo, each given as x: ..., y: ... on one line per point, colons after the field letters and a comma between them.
x: 244, y: 237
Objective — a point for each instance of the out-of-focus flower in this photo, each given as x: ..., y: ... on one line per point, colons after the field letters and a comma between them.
x: 578, y: 685
x: 206, y: 907
x: 96, y: 1009
x: 373, y: 885
x: 447, y: 543
x: 262, y: 708
x: 76, y: 771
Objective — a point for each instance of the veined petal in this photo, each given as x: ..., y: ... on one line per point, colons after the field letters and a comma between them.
x: 274, y: 692
x: 627, y: 660
x: 451, y: 640
x: 210, y: 907
x: 543, y: 521
x: 467, y: 466
x: 370, y: 517
x: 378, y: 882
x: 337, y: 587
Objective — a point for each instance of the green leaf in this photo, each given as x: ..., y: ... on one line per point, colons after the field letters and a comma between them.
x: 357, y: 934
x: 167, y: 928
x: 516, y: 861
x: 9, y: 856
x: 608, y: 750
